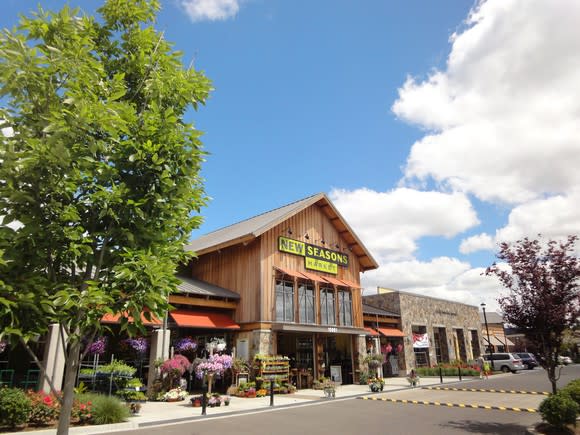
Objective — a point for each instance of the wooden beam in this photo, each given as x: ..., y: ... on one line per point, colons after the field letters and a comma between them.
x: 201, y: 302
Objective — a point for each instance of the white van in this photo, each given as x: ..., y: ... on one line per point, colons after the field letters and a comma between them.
x: 506, y: 362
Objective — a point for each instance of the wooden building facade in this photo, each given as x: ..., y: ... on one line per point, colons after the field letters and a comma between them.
x: 296, y: 270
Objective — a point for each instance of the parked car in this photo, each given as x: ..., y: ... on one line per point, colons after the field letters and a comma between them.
x: 528, y: 360
x: 506, y: 362
x: 564, y: 360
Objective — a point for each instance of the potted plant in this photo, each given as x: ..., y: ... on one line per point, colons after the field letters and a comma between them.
x: 196, y: 401
x: 175, y: 395
x: 226, y: 400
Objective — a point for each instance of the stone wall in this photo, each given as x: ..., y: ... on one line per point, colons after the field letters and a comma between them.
x: 428, y: 312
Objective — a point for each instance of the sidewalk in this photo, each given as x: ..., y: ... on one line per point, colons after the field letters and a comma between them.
x: 155, y: 413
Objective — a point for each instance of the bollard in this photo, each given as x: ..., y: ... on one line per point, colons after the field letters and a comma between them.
x: 272, y: 392
x: 459, y: 371
x: 204, y: 399
x: 440, y: 374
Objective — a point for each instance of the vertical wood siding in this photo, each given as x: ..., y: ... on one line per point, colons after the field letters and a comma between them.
x: 249, y: 270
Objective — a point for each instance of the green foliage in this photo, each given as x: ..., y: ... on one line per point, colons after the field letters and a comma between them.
x: 363, y: 378
x: 101, y: 409
x: 118, y: 368
x: 15, y: 407
x: 573, y: 390
x: 102, y: 171
x: 81, y: 389
x: 108, y: 410
x: 559, y: 409
x: 446, y: 371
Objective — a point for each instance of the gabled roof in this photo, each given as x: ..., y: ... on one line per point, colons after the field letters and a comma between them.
x: 250, y: 229
x: 196, y: 287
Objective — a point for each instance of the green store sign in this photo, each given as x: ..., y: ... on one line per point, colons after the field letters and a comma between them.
x: 315, y: 257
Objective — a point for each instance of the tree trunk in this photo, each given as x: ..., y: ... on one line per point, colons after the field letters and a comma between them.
x: 552, y: 377
x: 70, y: 374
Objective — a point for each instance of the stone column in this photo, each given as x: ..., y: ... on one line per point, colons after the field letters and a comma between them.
x: 159, y: 349
x: 54, y: 358
x: 262, y: 342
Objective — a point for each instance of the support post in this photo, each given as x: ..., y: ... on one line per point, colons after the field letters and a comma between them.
x: 440, y: 374
x: 272, y: 392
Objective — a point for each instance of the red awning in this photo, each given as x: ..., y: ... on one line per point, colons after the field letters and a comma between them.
x: 116, y: 318
x: 351, y: 284
x: 197, y: 319
x: 372, y: 332
x: 391, y: 332
x: 291, y: 272
x: 334, y: 281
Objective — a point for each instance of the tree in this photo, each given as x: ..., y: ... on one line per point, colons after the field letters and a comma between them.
x: 543, y: 300
x: 102, y: 172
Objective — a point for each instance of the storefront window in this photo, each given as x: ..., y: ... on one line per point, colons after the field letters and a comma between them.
x: 345, y: 308
x: 327, y: 312
x: 284, y: 301
x: 306, y: 303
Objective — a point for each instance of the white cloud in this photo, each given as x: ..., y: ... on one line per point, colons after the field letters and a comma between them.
x: 389, y: 223
x: 442, y: 277
x: 504, y: 116
x: 212, y: 10
x: 476, y: 243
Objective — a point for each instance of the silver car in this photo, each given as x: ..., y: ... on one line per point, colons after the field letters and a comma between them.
x: 506, y: 362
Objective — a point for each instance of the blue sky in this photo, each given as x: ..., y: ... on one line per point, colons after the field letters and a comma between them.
x: 437, y: 128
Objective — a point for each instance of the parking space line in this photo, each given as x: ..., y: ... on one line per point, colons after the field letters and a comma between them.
x: 449, y: 405
x: 487, y: 390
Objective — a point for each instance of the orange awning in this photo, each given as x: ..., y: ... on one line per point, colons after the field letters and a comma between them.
x: 291, y: 272
x: 391, y: 332
x: 334, y: 281
x: 351, y: 284
x: 314, y: 277
x: 116, y: 318
x: 372, y: 332
x: 197, y: 319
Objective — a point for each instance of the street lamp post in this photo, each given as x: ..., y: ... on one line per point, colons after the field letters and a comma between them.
x: 488, y: 340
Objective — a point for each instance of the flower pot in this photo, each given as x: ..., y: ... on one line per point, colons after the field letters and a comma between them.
x: 196, y: 403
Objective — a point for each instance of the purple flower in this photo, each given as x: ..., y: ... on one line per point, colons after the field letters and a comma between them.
x: 98, y: 346
x: 139, y: 345
x: 185, y: 345
x: 215, y: 365
x: 3, y: 345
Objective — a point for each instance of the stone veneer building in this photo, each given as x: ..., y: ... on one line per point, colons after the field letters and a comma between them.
x: 435, y: 330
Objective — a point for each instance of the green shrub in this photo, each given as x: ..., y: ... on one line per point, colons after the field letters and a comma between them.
x: 559, y: 409
x: 573, y: 390
x: 363, y: 378
x: 108, y: 410
x: 15, y: 407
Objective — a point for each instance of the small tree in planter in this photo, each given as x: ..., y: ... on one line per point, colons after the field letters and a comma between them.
x: 173, y: 369
x: 215, y: 366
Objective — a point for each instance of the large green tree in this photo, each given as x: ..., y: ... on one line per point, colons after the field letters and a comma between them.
x: 102, y: 171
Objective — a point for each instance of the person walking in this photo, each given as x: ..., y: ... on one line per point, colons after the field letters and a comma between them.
x: 482, y: 368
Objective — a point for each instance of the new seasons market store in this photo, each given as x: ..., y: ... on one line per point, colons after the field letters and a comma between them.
x: 296, y: 269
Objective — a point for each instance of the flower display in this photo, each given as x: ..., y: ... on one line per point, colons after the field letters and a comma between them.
x: 186, y: 344
x: 175, y: 366
x: 139, y: 345
x: 98, y: 346
x: 175, y: 394
x: 215, y: 365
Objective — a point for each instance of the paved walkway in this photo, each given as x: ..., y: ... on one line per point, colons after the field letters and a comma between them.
x: 155, y: 413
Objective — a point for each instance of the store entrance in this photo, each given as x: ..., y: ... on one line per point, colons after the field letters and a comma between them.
x: 337, y: 358
x: 300, y: 350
